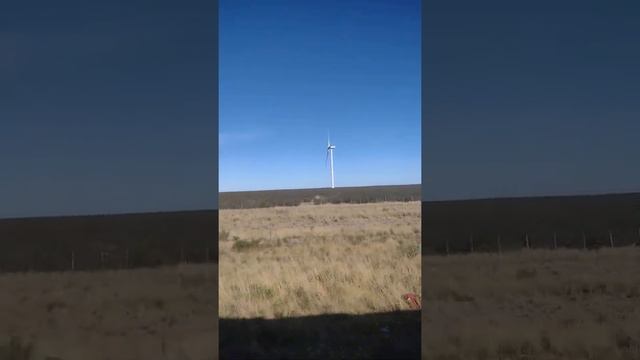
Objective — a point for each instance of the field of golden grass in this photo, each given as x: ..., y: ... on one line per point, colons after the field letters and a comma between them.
x: 318, y: 259
x: 538, y: 304
x: 163, y: 313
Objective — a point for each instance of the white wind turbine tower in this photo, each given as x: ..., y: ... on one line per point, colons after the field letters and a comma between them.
x: 330, y: 149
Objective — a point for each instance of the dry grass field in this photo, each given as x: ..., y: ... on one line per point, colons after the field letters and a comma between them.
x: 318, y: 259
x: 538, y: 304
x: 162, y: 313
x: 312, y: 260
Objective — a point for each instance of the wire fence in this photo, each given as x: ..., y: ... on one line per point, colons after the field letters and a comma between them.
x: 118, y: 259
x: 484, y: 242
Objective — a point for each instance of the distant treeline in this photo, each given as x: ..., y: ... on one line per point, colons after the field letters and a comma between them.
x: 108, y: 241
x: 492, y: 225
x: 364, y: 194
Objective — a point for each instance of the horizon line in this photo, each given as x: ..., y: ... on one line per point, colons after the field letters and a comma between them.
x: 538, y: 196
x: 217, y: 208
x: 116, y: 213
x: 318, y: 188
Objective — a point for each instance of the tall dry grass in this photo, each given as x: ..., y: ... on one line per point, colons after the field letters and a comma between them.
x: 318, y: 259
x: 539, y: 304
x: 164, y: 313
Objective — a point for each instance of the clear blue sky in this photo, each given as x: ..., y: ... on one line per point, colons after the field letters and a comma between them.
x: 107, y: 107
x: 292, y: 70
x: 531, y: 98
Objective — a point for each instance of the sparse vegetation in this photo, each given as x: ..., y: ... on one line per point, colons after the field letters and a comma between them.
x: 350, y: 195
x: 16, y: 349
x: 537, y: 304
x: 320, y: 281
x: 319, y: 259
x: 161, y: 313
x: 244, y: 245
x: 223, y: 235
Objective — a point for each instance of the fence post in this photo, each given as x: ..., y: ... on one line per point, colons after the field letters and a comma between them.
x: 526, y: 239
x: 446, y: 245
x: 610, y: 238
x: 555, y: 240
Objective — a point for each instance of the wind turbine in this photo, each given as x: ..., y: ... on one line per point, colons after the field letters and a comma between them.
x: 330, y: 149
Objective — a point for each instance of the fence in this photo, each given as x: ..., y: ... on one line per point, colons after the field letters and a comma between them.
x: 86, y: 260
x: 483, y: 242
x: 95, y: 242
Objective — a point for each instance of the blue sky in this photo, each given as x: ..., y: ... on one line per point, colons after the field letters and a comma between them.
x: 107, y: 107
x: 110, y: 107
x: 530, y: 98
x: 291, y: 71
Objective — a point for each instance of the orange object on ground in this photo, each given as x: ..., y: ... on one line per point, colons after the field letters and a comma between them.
x: 413, y: 300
